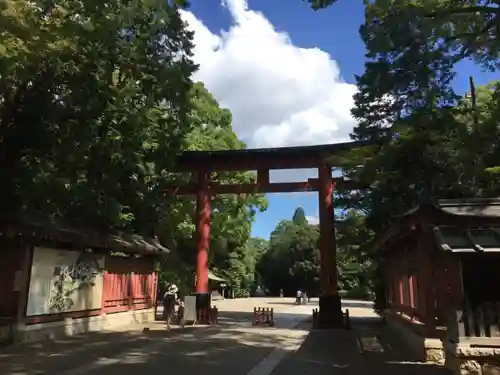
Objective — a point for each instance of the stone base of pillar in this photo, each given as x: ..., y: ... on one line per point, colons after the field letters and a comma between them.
x: 203, y: 300
x: 330, y: 313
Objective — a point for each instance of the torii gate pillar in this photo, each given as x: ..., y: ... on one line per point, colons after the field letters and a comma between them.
x: 330, y: 309
x: 202, y: 240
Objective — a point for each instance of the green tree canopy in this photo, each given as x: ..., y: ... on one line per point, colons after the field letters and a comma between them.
x: 299, y: 217
x: 96, y: 102
x: 232, y: 215
x: 427, y: 141
x: 292, y: 260
x: 93, y: 96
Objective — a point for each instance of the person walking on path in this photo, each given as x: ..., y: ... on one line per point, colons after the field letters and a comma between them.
x: 169, y: 302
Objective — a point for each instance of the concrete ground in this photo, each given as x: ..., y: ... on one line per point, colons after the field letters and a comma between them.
x: 368, y: 348
x: 233, y: 347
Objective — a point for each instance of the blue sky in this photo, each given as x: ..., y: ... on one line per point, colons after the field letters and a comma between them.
x: 287, y: 74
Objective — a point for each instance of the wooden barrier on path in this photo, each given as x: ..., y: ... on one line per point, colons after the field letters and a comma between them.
x: 346, y: 321
x: 208, y: 316
x: 263, y: 316
x: 315, y: 317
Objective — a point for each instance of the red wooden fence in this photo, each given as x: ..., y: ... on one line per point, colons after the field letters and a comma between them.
x: 479, y: 326
x: 129, y: 284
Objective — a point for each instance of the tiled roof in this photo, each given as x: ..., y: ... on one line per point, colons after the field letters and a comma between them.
x: 476, y: 207
x: 473, y: 208
x: 455, y: 239
x: 39, y: 226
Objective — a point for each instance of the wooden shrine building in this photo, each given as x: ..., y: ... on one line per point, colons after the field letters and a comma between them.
x: 60, y: 280
x: 441, y: 263
x: 203, y: 165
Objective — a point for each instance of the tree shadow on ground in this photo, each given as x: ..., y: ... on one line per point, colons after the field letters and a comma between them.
x: 385, y: 352
x: 321, y: 353
x: 236, y: 347
x: 366, y: 320
x: 354, y: 352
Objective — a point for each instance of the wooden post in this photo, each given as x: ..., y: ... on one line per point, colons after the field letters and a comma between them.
x: 202, y: 241
x: 426, y: 284
x: 105, y: 282
x: 263, y: 177
x: 23, y: 288
x: 330, y: 313
x: 328, y: 275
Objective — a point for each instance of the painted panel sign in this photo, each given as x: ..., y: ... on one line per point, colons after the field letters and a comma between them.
x: 64, y: 281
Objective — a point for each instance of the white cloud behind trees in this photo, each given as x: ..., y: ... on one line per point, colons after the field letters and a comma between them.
x: 279, y: 94
x: 312, y: 220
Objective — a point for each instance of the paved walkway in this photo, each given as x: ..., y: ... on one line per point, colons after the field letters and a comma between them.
x: 368, y: 348
x: 232, y: 347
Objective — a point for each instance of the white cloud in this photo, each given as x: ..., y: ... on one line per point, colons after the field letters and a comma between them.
x: 312, y: 220
x: 279, y: 94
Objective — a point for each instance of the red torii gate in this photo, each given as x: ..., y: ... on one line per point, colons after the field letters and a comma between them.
x: 263, y: 160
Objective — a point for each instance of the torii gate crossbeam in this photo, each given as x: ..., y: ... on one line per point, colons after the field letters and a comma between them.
x: 263, y: 160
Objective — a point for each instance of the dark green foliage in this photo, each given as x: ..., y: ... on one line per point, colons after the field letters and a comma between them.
x: 428, y: 142
x: 96, y: 102
x: 299, y: 217
x: 232, y: 253
x: 86, y: 115
x: 320, y: 4
x: 292, y: 261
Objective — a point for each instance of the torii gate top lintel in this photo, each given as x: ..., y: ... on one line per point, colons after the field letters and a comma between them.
x: 262, y: 158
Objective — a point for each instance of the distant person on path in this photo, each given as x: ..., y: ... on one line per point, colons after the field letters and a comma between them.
x: 169, y: 302
x: 304, y: 298
x: 281, y: 293
x: 299, y: 296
